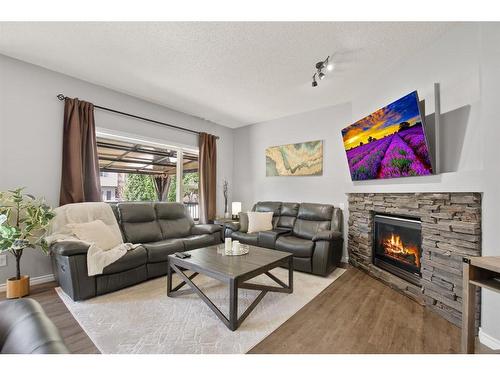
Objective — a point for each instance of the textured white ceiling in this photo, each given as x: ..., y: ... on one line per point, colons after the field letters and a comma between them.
x: 233, y: 74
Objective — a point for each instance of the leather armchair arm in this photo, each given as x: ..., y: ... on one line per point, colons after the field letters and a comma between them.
x: 233, y: 226
x: 69, y: 248
x: 327, y: 235
x: 205, y: 229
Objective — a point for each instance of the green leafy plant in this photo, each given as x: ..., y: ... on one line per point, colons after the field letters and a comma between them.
x: 24, y: 220
x: 140, y: 187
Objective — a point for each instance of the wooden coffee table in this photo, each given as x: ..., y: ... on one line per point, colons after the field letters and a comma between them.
x: 234, y: 271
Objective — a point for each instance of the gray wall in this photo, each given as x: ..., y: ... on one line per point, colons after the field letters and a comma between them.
x: 31, y: 135
x: 465, y: 62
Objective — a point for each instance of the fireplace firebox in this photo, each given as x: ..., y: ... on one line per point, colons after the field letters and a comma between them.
x: 397, y: 247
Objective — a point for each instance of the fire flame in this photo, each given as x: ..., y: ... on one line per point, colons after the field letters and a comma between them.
x: 394, y: 247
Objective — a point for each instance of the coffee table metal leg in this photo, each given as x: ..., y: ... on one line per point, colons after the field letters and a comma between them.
x: 169, y: 279
x: 233, y: 305
x: 290, y: 274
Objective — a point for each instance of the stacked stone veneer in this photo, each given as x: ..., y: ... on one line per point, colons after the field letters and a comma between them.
x: 451, y: 229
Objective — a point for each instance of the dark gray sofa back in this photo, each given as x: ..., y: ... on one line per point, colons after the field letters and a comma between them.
x: 274, y: 207
x: 143, y: 222
x: 312, y: 218
x: 288, y: 215
x: 138, y: 222
x: 174, y: 219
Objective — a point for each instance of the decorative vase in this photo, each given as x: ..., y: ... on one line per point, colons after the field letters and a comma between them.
x: 18, y: 288
x: 227, y: 215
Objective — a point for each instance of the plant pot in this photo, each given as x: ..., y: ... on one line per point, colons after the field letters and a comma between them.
x: 18, y: 288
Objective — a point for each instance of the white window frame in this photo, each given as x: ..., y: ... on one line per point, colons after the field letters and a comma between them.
x: 135, y: 138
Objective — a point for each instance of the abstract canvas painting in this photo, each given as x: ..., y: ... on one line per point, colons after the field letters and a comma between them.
x: 298, y: 159
x: 388, y: 143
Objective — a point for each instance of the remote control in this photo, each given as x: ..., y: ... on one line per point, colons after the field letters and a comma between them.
x: 182, y: 255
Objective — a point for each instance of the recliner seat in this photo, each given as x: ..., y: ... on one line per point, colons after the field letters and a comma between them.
x: 311, y: 232
x: 161, y: 228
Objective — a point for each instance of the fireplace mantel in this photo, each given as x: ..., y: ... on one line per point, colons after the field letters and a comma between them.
x: 451, y: 229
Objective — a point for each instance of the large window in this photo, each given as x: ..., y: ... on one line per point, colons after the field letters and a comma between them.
x: 144, y: 171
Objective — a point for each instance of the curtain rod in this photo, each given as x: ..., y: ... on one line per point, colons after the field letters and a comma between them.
x: 62, y: 97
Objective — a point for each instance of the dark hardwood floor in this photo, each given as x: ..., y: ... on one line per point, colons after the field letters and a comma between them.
x: 356, y: 314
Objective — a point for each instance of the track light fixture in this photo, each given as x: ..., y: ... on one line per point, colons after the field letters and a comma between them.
x: 327, y: 65
x: 314, y: 82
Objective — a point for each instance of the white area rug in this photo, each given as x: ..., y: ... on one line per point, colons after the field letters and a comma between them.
x: 142, y: 319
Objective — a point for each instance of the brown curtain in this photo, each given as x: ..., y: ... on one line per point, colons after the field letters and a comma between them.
x: 162, y: 184
x: 208, y: 176
x: 80, y: 165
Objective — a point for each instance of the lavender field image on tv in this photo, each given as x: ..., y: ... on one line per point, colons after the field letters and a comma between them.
x: 388, y: 143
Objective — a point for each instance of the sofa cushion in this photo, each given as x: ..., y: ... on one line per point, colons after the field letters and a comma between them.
x: 288, y: 215
x: 132, y: 259
x: 198, y: 240
x: 315, y: 211
x: 311, y: 219
x: 247, y: 238
x: 273, y: 207
x: 160, y: 250
x: 138, y: 221
x: 299, y: 247
x: 259, y: 221
x: 174, y: 220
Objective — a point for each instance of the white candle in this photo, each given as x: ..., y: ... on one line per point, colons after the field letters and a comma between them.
x: 228, y: 245
x: 236, y: 247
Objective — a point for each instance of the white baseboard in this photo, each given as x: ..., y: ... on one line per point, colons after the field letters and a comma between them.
x: 488, y: 340
x: 34, y: 281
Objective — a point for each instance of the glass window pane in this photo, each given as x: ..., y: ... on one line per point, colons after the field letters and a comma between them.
x: 190, y: 183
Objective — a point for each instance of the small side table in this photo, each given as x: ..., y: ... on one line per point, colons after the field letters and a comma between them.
x: 479, y: 272
x: 222, y: 221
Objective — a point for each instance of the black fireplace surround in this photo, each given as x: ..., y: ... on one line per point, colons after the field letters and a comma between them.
x: 397, y: 246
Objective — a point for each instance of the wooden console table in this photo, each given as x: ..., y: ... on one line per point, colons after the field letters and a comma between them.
x: 482, y: 272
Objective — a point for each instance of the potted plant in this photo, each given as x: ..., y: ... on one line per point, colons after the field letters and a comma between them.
x: 24, y: 220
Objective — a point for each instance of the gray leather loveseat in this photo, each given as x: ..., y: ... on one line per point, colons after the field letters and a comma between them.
x: 311, y: 232
x: 162, y: 229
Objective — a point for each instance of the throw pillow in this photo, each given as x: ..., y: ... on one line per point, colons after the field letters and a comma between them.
x: 96, y: 232
x: 243, y: 222
x: 259, y: 221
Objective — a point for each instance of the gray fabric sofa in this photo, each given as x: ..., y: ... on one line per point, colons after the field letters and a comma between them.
x: 311, y: 232
x: 161, y: 228
x: 26, y: 329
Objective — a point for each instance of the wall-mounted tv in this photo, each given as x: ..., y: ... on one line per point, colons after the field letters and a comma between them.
x: 388, y: 143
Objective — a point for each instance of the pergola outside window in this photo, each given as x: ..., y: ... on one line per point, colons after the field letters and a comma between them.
x: 133, y: 171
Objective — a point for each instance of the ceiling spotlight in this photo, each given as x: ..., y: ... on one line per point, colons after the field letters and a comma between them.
x: 314, y: 82
x: 326, y: 64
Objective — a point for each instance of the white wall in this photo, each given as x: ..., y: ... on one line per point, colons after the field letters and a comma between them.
x: 465, y: 62
x: 31, y: 135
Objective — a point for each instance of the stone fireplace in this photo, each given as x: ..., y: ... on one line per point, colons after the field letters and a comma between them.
x: 415, y: 243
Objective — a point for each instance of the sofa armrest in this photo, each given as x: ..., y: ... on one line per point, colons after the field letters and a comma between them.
x: 268, y: 238
x: 69, y: 248
x: 232, y: 226
x: 327, y: 235
x: 205, y: 229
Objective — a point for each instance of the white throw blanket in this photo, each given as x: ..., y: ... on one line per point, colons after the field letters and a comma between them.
x: 62, y: 229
